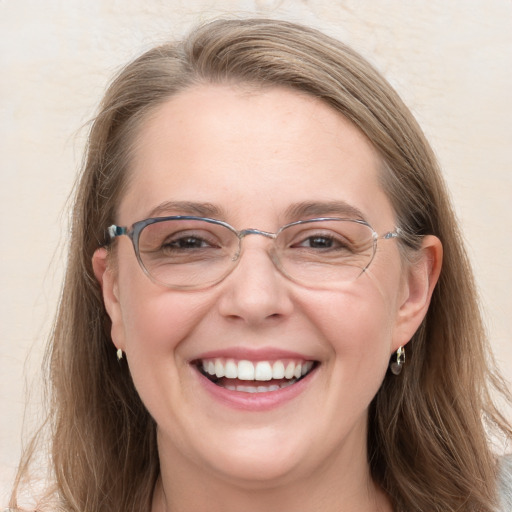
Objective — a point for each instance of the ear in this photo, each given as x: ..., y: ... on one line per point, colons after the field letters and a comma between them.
x: 419, y: 282
x: 105, y: 276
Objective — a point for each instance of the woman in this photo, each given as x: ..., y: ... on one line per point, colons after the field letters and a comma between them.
x: 285, y: 336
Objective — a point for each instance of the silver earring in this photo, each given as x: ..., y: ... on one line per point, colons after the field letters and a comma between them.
x: 119, y: 354
x: 397, y: 365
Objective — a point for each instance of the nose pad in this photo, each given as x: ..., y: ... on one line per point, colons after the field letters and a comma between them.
x: 256, y: 289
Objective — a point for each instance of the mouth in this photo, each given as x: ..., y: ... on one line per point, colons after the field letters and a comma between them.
x: 247, y: 376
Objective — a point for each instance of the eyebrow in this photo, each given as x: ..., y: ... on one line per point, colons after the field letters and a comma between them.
x: 298, y: 211
x: 186, y: 208
x: 324, y: 208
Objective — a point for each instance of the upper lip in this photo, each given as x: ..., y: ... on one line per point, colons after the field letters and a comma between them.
x: 250, y: 354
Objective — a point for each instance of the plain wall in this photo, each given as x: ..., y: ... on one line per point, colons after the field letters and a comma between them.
x: 450, y: 61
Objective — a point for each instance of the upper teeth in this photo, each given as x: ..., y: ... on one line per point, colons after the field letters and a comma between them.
x: 261, y: 370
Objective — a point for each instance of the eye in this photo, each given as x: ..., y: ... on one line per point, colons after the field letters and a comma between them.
x: 180, y: 241
x: 322, y: 241
x: 318, y: 242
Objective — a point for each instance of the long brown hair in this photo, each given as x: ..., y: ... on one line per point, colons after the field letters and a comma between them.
x: 429, y: 425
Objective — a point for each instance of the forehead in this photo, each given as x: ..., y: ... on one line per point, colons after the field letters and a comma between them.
x: 250, y: 151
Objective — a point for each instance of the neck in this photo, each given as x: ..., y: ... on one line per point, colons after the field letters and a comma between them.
x: 372, y: 499
x: 185, y: 488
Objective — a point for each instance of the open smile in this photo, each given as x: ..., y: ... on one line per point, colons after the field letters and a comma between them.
x: 247, y: 376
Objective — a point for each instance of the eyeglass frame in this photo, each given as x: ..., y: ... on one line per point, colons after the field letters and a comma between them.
x: 134, y: 232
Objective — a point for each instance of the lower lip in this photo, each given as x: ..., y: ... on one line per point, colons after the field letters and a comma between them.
x: 256, y: 401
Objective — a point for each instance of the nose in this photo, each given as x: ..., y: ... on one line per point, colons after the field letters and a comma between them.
x: 255, y: 292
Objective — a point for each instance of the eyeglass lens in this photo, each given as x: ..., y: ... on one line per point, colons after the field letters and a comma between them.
x: 187, y: 254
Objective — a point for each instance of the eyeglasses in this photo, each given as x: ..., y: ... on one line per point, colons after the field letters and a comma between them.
x: 190, y: 253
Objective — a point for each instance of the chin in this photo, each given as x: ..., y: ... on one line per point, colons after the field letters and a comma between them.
x: 261, y: 468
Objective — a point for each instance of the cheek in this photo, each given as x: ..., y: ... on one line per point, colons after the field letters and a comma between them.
x: 357, y: 325
x: 153, y: 319
x: 156, y: 322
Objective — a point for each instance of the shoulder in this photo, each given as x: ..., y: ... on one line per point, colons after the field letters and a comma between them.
x: 505, y: 483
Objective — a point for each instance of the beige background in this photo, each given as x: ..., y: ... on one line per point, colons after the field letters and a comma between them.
x: 450, y: 60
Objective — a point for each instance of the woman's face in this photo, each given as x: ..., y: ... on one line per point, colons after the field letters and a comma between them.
x: 254, y: 158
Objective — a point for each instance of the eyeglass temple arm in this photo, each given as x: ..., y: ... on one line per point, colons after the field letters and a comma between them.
x: 114, y: 231
x: 393, y: 234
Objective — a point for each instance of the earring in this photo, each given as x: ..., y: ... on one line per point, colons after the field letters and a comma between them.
x: 119, y: 354
x: 396, y: 366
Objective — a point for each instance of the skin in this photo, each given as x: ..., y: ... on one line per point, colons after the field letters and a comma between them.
x: 253, y: 154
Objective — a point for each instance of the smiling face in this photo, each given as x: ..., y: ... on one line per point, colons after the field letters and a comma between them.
x: 254, y: 159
